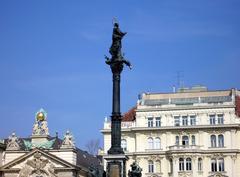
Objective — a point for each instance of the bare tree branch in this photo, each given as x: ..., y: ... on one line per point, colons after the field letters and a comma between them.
x: 92, y: 146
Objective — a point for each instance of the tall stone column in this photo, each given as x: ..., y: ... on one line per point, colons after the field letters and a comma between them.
x: 116, y: 160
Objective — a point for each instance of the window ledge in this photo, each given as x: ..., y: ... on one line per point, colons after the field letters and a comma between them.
x: 216, y: 147
x: 185, y: 172
x: 155, y: 173
x: 154, y: 149
x: 217, y: 172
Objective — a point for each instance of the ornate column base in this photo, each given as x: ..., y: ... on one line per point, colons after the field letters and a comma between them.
x: 116, y: 165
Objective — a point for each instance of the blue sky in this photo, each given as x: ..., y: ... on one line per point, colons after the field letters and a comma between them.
x: 52, y: 57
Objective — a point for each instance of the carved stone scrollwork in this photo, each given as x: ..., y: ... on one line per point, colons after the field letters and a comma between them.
x: 13, y: 142
x: 217, y: 174
x: 185, y: 174
x: 216, y: 155
x: 38, y: 166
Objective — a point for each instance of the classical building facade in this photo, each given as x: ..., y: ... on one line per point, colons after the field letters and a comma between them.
x: 190, y: 133
x: 42, y: 155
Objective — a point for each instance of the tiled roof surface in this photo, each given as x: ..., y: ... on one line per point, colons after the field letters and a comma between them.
x: 87, y: 160
x: 130, y: 115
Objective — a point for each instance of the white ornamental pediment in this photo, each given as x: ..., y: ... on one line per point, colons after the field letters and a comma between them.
x: 37, y: 162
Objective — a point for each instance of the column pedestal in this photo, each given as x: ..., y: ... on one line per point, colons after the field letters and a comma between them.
x: 116, y: 165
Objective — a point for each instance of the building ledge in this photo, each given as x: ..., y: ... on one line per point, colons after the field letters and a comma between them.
x: 217, y: 126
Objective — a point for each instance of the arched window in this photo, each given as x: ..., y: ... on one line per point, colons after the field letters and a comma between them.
x: 213, y: 165
x: 158, y: 166
x: 185, y: 141
x: 199, y: 164
x: 157, y: 143
x: 181, y: 164
x: 150, y: 166
x: 220, y: 141
x: 150, y: 143
x: 193, y: 140
x: 213, y: 141
x: 188, y: 164
x: 221, y: 164
x: 124, y: 144
x: 177, y: 140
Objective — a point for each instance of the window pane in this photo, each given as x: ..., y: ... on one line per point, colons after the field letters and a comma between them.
x: 184, y: 120
x: 188, y: 164
x: 150, y: 143
x: 185, y: 140
x: 199, y: 164
x: 192, y: 120
x: 176, y: 121
x: 150, y: 122
x: 213, y: 141
x: 193, y: 140
x: 181, y: 164
x: 220, y: 119
x: 158, y: 166
x: 221, y: 165
x: 150, y: 166
x: 157, y: 143
x: 212, y: 119
x: 177, y: 140
x: 158, y: 122
x: 214, y: 165
x: 124, y: 144
x: 220, y: 141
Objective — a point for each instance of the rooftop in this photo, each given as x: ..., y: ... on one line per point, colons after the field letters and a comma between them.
x: 188, y: 96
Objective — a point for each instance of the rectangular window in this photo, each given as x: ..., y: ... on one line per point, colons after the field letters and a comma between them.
x: 177, y: 140
x: 184, y: 120
x: 212, y: 119
x: 220, y: 119
x: 176, y: 121
x: 150, y: 122
x: 158, y: 121
x: 192, y: 120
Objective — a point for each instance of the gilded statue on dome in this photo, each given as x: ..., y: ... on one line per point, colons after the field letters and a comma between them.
x: 40, y: 126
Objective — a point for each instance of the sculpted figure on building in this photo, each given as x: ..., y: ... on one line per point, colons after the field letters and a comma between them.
x: 68, y: 141
x: 40, y: 126
x: 13, y: 143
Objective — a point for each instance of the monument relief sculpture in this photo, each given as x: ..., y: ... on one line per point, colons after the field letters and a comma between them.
x: 37, y: 166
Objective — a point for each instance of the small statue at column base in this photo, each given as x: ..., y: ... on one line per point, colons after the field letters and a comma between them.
x: 136, y: 171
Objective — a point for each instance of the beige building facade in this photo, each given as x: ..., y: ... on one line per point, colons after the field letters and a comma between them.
x: 191, y: 133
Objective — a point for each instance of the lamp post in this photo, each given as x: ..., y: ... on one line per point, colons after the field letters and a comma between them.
x: 116, y: 158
